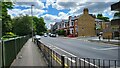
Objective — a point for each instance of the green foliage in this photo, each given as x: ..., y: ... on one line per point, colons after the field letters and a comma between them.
x: 117, y: 14
x: 100, y: 16
x: 39, y: 25
x: 61, y: 32
x: 22, y: 25
x: 9, y: 35
x: 6, y: 19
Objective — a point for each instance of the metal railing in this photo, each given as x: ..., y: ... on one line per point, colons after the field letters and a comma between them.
x: 10, y: 49
x: 56, y: 59
x: 0, y: 54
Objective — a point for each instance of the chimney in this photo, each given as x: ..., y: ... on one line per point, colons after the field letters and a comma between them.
x: 70, y: 17
x: 86, y: 11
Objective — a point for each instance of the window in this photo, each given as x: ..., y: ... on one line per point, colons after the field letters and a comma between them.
x: 72, y: 31
x: 72, y: 23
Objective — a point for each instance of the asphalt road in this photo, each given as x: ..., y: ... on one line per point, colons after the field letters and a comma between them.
x: 82, y: 48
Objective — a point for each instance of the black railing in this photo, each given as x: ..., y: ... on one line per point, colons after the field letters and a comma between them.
x: 0, y: 54
x: 55, y: 59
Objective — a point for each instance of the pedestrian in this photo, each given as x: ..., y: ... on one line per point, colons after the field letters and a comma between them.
x: 99, y: 37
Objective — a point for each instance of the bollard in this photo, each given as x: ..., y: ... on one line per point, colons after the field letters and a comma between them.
x: 63, y: 61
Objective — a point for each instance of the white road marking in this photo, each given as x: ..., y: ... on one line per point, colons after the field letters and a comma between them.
x: 69, y: 59
x: 111, y: 48
x: 89, y: 63
x: 73, y: 56
x: 65, y: 51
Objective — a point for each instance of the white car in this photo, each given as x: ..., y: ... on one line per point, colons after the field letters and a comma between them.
x: 45, y: 35
x: 37, y: 37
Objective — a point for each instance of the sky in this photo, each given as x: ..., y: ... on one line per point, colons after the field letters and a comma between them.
x: 55, y: 10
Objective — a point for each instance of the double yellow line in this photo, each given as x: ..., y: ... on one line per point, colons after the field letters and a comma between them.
x: 57, y: 59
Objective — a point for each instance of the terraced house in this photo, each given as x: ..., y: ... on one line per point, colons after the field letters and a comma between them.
x: 82, y: 25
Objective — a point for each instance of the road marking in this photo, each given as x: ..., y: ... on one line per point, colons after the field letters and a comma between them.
x: 111, y: 48
x: 74, y: 56
x: 69, y: 59
x: 89, y: 63
x: 65, y: 51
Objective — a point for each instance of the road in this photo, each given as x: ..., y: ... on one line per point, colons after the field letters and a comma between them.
x: 82, y: 48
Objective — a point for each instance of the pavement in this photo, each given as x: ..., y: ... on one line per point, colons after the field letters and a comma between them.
x: 29, y: 55
x: 96, y: 39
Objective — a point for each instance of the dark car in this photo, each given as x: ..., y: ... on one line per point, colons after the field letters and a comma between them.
x: 52, y: 35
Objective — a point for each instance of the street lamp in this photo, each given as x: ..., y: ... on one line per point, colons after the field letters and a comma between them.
x: 32, y: 20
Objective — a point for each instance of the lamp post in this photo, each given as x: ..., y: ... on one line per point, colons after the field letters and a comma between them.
x: 32, y: 20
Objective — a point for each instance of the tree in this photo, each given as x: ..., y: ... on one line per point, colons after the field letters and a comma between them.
x: 39, y: 25
x: 117, y: 14
x: 100, y: 16
x: 6, y: 19
x: 61, y: 32
x: 22, y: 25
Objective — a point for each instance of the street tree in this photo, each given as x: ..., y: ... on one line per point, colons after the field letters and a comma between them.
x: 100, y: 16
x: 6, y: 19
x: 22, y: 25
x: 39, y: 25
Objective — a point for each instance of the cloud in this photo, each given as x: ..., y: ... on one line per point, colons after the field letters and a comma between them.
x: 51, y: 19
x: 49, y: 2
x: 14, y: 12
x: 37, y: 4
x: 17, y: 12
x: 63, y: 15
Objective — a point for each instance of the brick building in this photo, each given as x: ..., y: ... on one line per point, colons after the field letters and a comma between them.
x: 115, y: 22
x: 86, y: 24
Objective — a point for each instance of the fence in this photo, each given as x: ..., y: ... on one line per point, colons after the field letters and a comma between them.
x: 55, y: 59
x: 0, y: 54
x: 10, y: 49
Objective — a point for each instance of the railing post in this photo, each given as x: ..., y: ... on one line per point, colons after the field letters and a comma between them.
x: 15, y: 48
x: 63, y: 61
x: 79, y: 62
x: 89, y: 63
x: 3, y: 58
x: 84, y: 63
x: 76, y: 62
x: 115, y: 64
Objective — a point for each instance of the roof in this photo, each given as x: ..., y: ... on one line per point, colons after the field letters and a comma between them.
x: 92, y: 15
x: 98, y: 20
x: 65, y: 21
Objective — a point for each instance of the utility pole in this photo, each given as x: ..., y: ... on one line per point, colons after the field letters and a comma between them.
x: 32, y: 20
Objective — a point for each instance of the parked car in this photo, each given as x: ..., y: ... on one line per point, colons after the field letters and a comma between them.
x: 52, y: 35
x: 37, y: 37
x: 45, y: 35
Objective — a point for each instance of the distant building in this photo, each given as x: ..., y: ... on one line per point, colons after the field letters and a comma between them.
x: 82, y: 25
x: 115, y: 22
x: 86, y: 24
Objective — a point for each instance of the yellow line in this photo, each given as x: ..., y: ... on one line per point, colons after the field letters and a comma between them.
x: 58, y: 60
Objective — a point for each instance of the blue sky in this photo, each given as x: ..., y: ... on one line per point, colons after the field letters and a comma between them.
x: 56, y: 10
